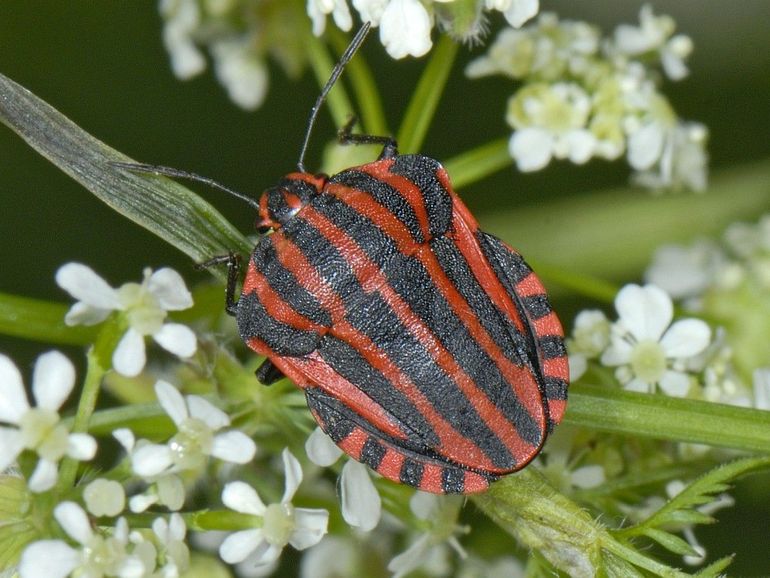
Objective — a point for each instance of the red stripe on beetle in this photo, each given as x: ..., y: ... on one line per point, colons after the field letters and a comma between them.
x: 452, y: 442
x: 496, y: 421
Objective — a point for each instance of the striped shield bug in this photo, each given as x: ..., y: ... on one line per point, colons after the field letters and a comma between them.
x: 426, y: 348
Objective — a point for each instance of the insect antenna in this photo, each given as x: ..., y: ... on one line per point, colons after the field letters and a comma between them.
x: 354, y: 45
x: 180, y: 174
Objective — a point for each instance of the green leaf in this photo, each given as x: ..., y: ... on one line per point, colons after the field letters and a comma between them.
x: 670, y: 542
x: 164, y: 207
x: 716, y: 568
x: 699, y: 492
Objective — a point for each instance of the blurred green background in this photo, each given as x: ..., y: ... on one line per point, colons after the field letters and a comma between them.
x: 103, y: 65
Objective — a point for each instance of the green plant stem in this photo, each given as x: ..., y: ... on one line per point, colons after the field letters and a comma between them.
x: 98, y: 362
x: 477, y: 164
x: 577, y: 283
x: 422, y: 106
x: 40, y: 320
x: 667, y: 418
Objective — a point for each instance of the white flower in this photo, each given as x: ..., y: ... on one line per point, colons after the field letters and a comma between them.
x: 550, y: 121
x: 104, y: 497
x: 648, y: 351
x: 39, y: 428
x: 686, y: 271
x: 182, y: 18
x: 440, y: 514
x: 361, y: 504
x: 198, y: 423
x: 334, y: 557
x: 670, y: 157
x: 173, y: 549
x: 654, y: 34
x: 241, y: 71
x: 405, y: 28
x: 282, y: 523
x: 516, y: 12
x: 99, y: 555
x: 562, y: 469
x: 144, y: 306
x: 318, y: 9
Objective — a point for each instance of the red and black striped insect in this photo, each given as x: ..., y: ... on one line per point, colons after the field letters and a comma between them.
x: 427, y: 349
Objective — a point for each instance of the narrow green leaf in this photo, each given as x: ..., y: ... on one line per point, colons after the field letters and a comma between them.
x: 40, y: 320
x: 478, y: 163
x: 668, y: 418
x: 425, y: 98
x: 715, y: 569
x: 164, y: 207
x: 670, y: 542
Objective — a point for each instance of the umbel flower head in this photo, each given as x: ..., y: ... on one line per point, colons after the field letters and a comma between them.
x: 39, y: 428
x: 144, y: 306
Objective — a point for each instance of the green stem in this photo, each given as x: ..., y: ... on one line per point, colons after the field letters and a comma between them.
x: 99, y: 361
x: 369, y: 103
x: 667, y: 418
x: 422, y: 106
x: 579, y: 283
x: 40, y: 320
x: 221, y: 520
x: 477, y: 164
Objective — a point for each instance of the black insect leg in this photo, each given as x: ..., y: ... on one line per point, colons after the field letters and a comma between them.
x: 267, y: 373
x: 389, y: 146
x: 233, y: 263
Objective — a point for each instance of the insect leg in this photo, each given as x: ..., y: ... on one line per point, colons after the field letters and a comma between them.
x: 267, y: 373
x: 346, y: 136
x: 233, y: 263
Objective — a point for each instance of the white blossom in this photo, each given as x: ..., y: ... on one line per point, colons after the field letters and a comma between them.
x: 685, y: 272
x: 646, y: 350
x: 182, y: 18
x: 104, y: 497
x: 39, y: 428
x: 319, y: 9
x: 173, y: 548
x: 241, y: 71
x: 282, y: 522
x: 144, y: 307
x: 405, y: 28
x: 361, y: 503
x: 198, y: 436
x: 440, y: 515
x: 97, y: 556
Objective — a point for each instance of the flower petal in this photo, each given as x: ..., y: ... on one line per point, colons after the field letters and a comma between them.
x: 293, y: 472
x: 645, y: 311
x: 637, y: 385
x: 761, y: 389
x: 207, y: 412
x: 168, y: 287
x: 72, y: 518
x: 239, y: 545
x: 241, y: 497
x: 13, y: 398
x: 129, y: 357
x: 44, y: 477
x: 85, y: 285
x: 686, y: 338
x: 321, y: 449
x: 83, y: 314
x: 675, y: 383
x: 531, y: 148
x: 588, y: 476
x: 125, y: 438
x: 520, y: 11
x: 311, y: 525
x: 405, y: 28
x: 618, y: 353
x: 81, y: 446
x: 151, y: 459
x: 411, y: 558
x: 361, y: 504
x: 645, y: 146
x: 11, y: 445
x: 234, y: 446
x: 172, y: 401
x: 177, y: 339
x: 52, y: 380
x: 49, y: 558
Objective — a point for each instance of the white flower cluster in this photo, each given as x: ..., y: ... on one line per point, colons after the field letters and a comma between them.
x: 647, y: 350
x: 405, y: 25
x: 584, y: 96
